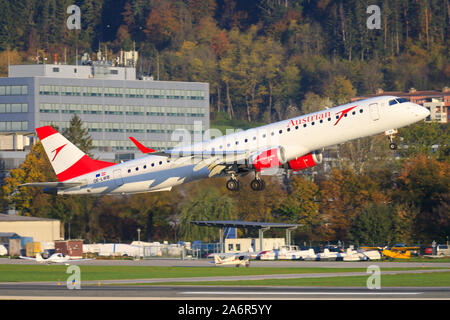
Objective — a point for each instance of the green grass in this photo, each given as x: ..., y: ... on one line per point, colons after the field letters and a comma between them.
x: 441, y: 279
x: 25, y: 273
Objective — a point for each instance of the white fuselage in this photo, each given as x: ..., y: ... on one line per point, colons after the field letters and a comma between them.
x: 297, y: 136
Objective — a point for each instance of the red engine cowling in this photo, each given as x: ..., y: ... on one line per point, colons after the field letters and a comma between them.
x: 268, y: 159
x: 307, y: 161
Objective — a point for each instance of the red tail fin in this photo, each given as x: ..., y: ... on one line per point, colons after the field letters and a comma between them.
x: 66, y: 159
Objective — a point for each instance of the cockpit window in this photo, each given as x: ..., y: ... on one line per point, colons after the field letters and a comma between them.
x: 402, y: 100
x: 392, y: 102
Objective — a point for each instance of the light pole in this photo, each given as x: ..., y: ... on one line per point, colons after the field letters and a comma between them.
x: 139, y: 234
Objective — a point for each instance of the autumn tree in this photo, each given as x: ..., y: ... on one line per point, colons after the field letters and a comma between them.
x: 340, y: 90
x: 343, y: 194
x: 424, y: 184
x: 420, y: 138
x: 162, y: 24
x: 301, y: 206
x: 313, y: 103
x: 35, y: 168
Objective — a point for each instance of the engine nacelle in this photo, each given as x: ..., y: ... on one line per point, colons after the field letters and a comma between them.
x: 274, y: 157
x: 307, y: 161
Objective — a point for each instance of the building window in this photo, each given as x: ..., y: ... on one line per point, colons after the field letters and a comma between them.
x: 13, y: 125
x: 13, y: 90
x: 13, y: 107
x: 55, y: 69
x: 49, y: 90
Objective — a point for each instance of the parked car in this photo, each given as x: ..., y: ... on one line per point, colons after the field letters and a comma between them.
x: 441, y: 250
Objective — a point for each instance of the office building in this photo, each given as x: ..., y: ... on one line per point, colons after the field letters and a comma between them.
x: 110, y: 101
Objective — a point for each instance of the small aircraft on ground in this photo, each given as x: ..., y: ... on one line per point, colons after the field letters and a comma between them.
x: 237, y: 260
x: 397, y: 251
x: 54, y: 258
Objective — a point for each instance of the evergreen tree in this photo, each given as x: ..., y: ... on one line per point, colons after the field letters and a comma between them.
x: 78, y: 135
x: 375, y: 224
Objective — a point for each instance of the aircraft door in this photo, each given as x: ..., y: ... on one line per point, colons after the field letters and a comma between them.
x: 374, y: 111
x: 117, y: 174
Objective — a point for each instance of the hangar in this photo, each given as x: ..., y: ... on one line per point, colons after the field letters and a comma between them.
x: 40, y: 229
x: 260, y: 226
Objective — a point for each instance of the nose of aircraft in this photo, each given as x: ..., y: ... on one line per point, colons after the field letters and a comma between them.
x: 421, y: 112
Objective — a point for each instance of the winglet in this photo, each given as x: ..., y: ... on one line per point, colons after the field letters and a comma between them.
x: 141, y: 147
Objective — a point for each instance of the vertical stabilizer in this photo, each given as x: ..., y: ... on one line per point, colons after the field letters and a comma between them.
x: 67, y: 160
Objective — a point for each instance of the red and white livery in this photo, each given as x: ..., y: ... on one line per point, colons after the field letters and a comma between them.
x: 289, y: 144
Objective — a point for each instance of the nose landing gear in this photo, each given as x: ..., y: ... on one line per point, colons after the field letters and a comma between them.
x: 391, y: 135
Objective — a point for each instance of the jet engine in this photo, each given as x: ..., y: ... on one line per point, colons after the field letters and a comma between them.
x: 274, y: 157
x: 307, y: 161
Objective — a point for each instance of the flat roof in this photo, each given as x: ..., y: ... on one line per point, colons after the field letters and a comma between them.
x: 10, y: 217
x: 244, y: 224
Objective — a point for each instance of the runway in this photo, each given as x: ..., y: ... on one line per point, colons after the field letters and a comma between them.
x: 54, y: 292
x: 138, y: 289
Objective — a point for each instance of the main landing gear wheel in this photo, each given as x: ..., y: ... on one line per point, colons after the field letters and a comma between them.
x: 233, y: 185
x: 257, y: 184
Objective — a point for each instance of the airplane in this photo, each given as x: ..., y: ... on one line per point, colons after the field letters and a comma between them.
x: 292, y: 144
x: 54, y: 258
x: 236, y: 260
x: 396, y: 254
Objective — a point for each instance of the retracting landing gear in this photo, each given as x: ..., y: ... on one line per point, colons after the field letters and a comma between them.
x: 391, y: 135
x: 257, y: 184
x: 233, y: 184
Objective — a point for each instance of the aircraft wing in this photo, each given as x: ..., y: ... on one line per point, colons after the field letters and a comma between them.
x: 57, y: 185
x: 27, y: 258
x: 372, y: 248
x: 216, y: 160
x: 404, y: 248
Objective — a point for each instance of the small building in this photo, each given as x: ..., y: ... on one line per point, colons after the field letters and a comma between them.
x: 245, y: 244
x: 5, y: 236
x: 248, y: 244
x: 39, y: 229
x: 72, y: 248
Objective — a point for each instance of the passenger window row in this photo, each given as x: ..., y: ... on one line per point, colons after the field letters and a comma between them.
x: 288, y: 129
x: 144, y: 167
